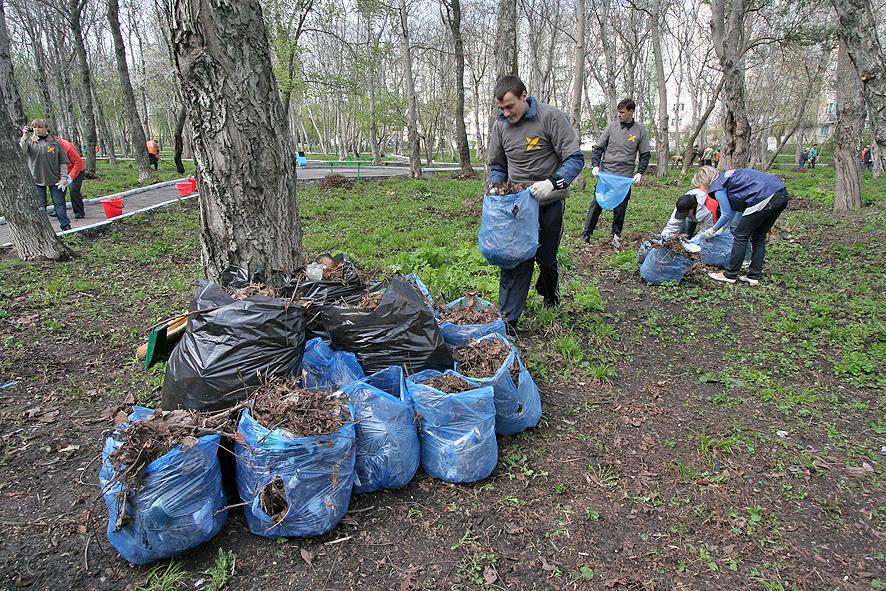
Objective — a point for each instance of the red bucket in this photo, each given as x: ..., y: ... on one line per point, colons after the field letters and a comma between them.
x: 193, y: 182
x: 185, y: 188
x: 113, y: 207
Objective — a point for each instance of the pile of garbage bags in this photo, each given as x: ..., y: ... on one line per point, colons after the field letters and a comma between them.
x: 379, y: 360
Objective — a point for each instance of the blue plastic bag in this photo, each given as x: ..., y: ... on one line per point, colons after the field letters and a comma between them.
x: 325, y: 369
x: 517, y: 406
x: 180, y: 502
x: 645, y: 248
x: 423, y: 290
x: 459, y: 335
x: 457, y: 430
x: 716, y: 250
x: 388, y: 450
x: 509, y: 229
x: 317, y: 475
x: 612, y: 189
x: 662, y: 265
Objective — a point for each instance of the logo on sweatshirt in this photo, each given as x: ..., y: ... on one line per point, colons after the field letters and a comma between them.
x: 50, y: 149
x: 532, y: 144
x: 632, y: 138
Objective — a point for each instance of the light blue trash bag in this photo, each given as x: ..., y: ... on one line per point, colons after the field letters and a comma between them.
x: 716, y: 250
x: 517, y: 406
x: 388, y: 450
x: 180, y: 502
x: 459, y: 335
x: 317, y: 475
x: 662, y: 265
x: 325, y: 369
x: 509, y: 229
x: 457, y: 434
x: 612, y: 189
x: 423, y: 290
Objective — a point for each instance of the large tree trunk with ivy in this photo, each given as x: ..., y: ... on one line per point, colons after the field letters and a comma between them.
x: 75, y: 21
x: 136, y: 132
x: 662, y: 141
x: 848, y: 132
x: 727, y: 31
x: 32, y: 236
x: 242, y: 146
x: 857, y: 29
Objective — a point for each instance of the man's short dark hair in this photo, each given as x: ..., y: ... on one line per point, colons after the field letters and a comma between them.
x: 509, y: 84
x: 627, y: 104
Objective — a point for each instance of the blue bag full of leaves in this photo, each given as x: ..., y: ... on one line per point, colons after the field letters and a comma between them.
x: 324, y: 369
x: 294, y: 486
x: 388, y: 450
x: 509, y: 229
x: 458, y: 335
x: 517, y: 400
x: 178, y: 503
x: 457, y: 432
x: 716, y: 250
x: 612, y: 189
x: 663, y: 265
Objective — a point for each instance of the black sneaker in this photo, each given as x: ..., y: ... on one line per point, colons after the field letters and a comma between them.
x: 586, y: 237
x: 79, y: 216
x: 52, y: 214
x: 551, y: 303
x: 64, y: 228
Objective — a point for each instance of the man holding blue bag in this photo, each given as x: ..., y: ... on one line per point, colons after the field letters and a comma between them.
x: 533, y: 143
x: 615, y: 153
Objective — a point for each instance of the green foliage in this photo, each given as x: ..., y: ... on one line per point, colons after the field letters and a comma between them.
x: 224, y: 568
x: 164, y: 578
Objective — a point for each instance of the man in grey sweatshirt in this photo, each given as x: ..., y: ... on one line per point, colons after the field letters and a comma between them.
x: 616, y: 152
x: 533, y: 143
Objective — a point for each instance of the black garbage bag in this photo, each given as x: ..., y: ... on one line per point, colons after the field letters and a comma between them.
x: 229, y: 345
x: 346, y: 291
x: 401, y: 332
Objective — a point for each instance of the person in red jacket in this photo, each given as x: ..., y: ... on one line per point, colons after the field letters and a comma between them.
x: 153, y: 152
x: 75, y: 171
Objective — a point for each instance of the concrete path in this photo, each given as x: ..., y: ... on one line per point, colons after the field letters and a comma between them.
x: 162, y: 194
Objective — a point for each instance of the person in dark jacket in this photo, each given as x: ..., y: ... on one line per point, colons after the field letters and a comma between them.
x: 48, y: 164
x: 760, y: 198
x: 616, y: 152
x: 534, y: 144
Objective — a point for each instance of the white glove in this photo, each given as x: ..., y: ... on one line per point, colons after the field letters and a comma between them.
x: 541, y: 189
x: 637, y: 177
x: 595, y: 171
x: 63, y: 183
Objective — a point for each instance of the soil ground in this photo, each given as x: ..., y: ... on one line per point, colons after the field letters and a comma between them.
x: 694, y: 437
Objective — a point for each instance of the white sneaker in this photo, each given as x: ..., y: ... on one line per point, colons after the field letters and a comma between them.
x: 616, y: 241
x: 720, y: 277
x: 749, y: 281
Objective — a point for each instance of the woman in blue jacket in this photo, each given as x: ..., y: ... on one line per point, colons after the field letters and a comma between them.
x: 759, y: 199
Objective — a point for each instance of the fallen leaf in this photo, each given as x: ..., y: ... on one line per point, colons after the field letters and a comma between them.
x: 489, y: 575
x: 120, y: 418
x: 130, y: 399
x: 545, y: 565
x: 31, y: 412
x: 48, y: 417
x: 513, y: 530
x: 69, y: 448
x: 308, y: 557
x: 860, y: 471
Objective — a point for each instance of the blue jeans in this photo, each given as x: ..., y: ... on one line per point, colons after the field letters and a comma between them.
x: 58, y: 203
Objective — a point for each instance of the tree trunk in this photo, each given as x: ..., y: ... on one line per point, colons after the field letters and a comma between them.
x: 412, y: 118
x: 179, y: 140
x: 578, y: 67
x: 136, y: 134
x: 32, y: 235
x: 699, y: 125
x: 610, y: 65
x: 371, y: 82
x: 857, y: 29
x: 248, y: 210
x: 75, y: 14
x: 506, y: 39
x: 728, y: 38
x: 848, y: 132
x: 662, y: 146
x: 106, y: 140
x: 453, y: 13
x: 801, y: 112
x: 8, y: 88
